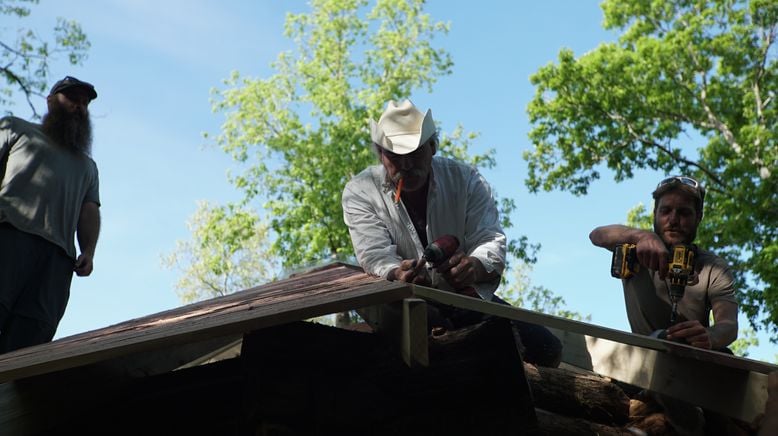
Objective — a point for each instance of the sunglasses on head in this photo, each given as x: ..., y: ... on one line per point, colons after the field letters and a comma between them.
x: 683, y: 180
x: 679, y: 179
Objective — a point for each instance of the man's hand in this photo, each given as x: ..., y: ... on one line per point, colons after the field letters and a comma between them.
x: 462, y: 271
x: 651, y: 250
x: 83, y: 266
x: 411, y: 271
x: 692, y: 332
x: 652, y: 253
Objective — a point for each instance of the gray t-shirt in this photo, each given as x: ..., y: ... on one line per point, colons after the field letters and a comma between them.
x: 44, y: 184
x: 648, y: 305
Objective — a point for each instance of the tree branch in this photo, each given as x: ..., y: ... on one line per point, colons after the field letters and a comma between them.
x: 26, y: 90
x: 769, y: 38
x: 647, y: 142
x: 719, y: 125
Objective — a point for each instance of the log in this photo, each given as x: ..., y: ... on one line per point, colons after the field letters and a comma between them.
x: 769, y: 424
x: 552, y: 424
x: 655, y: 424
x: 578, y: 395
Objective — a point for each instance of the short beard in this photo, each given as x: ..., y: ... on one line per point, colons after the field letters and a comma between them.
x: 71, y: 130
x: 689, y: 239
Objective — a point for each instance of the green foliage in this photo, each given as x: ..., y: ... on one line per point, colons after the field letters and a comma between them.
x: 301, y: 134
x: 25, y: 55
x: 227, y: 253
x: 521, y: 293
x: 683, y: 74
x: 640, y: 218
x: 746, y: 339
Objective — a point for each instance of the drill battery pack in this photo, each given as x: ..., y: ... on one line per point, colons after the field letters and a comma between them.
x: 624, y: 263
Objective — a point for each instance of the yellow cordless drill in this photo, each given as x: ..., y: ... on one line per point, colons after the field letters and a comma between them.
x: 624, y: 265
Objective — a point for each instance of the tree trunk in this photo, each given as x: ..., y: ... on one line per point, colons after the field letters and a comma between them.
x: 551, y: 424
x: 577, y: 395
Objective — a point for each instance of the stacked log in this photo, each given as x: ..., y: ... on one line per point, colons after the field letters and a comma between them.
x: 574, y: 403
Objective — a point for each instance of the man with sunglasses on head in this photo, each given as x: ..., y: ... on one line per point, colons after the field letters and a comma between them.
x: 678, y: 207
x: 48, y: 194
x: 413, y: 199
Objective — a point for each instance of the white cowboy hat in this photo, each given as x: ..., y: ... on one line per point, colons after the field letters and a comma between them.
x: 402, y: 128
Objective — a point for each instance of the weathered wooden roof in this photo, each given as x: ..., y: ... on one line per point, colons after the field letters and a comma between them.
x: 164, y: 341
x: 331, y: 289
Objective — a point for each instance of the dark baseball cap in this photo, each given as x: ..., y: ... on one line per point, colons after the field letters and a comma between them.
x: 71, y: 82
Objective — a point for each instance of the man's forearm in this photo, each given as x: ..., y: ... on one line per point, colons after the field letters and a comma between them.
x: 88, y: 229
x: 724, y: 329
x: 722, y: 334
x: 612, y: 235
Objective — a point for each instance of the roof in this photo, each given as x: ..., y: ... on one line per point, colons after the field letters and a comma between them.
x: 213, y: 323
x: 193, y: 333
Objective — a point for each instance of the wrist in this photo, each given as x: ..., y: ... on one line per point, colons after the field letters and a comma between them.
x: 392, y: 274
x: 484, y: 271
x: 641, y: 235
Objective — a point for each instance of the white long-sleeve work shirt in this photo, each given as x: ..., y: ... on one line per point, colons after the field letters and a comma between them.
x: 459, y: 203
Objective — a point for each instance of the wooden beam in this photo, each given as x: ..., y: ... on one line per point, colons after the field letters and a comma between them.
x: 720, y: 388
x: 415, y: 350
x: 404, y: 323
x: 512, y: 312
x: 730, y: 385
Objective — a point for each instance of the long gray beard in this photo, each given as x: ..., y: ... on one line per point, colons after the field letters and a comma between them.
x: 70, y: 130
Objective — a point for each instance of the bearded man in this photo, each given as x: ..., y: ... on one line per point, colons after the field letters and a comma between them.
x: 678, y: 205
x: 49, y: 192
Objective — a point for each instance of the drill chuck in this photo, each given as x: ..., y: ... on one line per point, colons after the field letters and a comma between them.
x: 441, y: 249
x: 433, y: 254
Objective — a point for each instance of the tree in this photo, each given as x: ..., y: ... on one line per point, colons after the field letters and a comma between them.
x: 215, y: 266
x: 683, y: 72
x: 746, y: 339
x: 302, y: 133
x: 25, y: 56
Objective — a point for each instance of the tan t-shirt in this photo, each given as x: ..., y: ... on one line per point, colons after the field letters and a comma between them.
x: 44, y: 185
x: 648, y: 303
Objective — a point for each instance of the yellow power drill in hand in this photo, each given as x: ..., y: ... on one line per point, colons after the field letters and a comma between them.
x: 624, y: 265
x: 679, y: 270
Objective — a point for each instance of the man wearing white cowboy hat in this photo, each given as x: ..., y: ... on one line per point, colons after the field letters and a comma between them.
x: 396, y: 209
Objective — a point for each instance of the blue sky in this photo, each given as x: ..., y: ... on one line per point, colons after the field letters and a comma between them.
x: 154, y: 63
